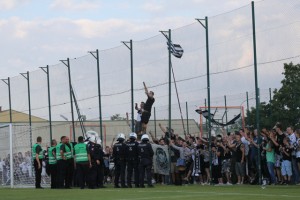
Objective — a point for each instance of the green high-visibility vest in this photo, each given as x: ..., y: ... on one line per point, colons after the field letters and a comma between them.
x: 81, y: 153
x: 41, y: 155
x: 67, y: 154
x: 58, y: 156
x: 51, y: 158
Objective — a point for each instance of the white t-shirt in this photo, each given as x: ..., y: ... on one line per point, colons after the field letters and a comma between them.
x: 138, y: 117
x: 293, y: 140
x: 246, y: 144
x: 1, y: 166
x: 298, y: 149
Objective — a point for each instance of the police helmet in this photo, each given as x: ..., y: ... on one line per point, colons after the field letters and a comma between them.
x: 145, y: 137
x: 120, y: 137
x: 90, y: 133
x: 99, y: 141
x: 132, y: 135
x: 92, y: 139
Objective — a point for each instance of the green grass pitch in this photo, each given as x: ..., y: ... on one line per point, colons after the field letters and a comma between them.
x: 159, y: 192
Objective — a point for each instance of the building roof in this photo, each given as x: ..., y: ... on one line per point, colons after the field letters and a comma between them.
x: 18, y: 117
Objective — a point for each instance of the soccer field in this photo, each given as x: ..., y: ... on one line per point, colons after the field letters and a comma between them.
x: 159, y: 192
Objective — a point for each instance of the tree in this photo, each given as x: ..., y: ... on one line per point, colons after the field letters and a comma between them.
x: 285, y: 105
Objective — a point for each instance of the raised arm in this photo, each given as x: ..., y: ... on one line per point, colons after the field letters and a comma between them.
x: 162, y: 128
x: 146, y: 89
x: 127, y: 119
x: 153, y: 138
x: 112, y: 143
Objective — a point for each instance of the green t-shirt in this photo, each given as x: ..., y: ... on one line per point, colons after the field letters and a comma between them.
x: 270, y: 154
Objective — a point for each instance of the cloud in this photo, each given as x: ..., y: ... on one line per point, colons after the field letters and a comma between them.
x: 12, y: 4
x: 152, y: 7
x: 75, y: 5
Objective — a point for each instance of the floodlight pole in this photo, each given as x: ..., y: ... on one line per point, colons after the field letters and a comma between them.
x: 167, y: 34
x: 131, y: 76
x: 7, y: 82
x: 67, y: 64
x: 256, y: 89
x: 205, y: 26
x: 95, y: 54
x: 46, y: 70
x: 26, y: 76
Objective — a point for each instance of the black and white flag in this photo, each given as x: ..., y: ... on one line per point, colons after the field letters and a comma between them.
x: 175, y: 49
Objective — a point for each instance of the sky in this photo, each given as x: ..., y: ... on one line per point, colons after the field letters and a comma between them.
x: 36, y: 33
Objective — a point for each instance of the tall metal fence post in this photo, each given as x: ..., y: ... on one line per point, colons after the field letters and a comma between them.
x: 205, y: 26
x: 67, y: 64
x: 46, y: 70
x: 130, y: 47
x: 26, y: 76
x: 7, y: 82
x: 187, y: 118
x: 256, y: 87
x: 95, y: 54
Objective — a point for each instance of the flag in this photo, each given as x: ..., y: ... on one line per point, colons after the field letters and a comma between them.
x: 175, y: 49
x: 161, y: 161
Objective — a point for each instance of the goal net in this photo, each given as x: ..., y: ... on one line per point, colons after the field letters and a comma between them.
x: 230, y: 118
x: 16, y: 166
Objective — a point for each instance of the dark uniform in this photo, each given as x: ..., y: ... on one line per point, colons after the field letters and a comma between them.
x: 120, y: 154
x: 95, y: 172
x: 145, y: 153
x: 82, y: 163
x: 52, y: 166
x: 37, y: 149
x: 69, y: 167
x: 63, y: 165
x: 132, y: 162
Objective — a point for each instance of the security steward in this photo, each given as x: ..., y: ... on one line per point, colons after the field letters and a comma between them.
x: 70, y: 164
x: 145, y: 153
x: 37, y: 155
x: 119, y: 155
x: 63, y: 156
x: 132, y: 160
x: 53, y: 164
x: 83, y: 161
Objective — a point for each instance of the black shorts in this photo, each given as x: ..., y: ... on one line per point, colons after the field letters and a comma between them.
x: 145, y: 117
x: 206, y: 164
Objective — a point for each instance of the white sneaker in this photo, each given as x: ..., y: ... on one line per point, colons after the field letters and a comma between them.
x: 228, y: 183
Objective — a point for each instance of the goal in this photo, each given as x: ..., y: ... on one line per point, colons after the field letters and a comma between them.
x: 221, y: 117
x: 16, y: 167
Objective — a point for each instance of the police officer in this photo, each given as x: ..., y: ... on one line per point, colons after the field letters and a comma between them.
x: 132, y: 160
x: 145, y: 153
x: 53, y: 164
x: 82, y: 160
x: 95, y: 153
x: 37, y: 155
x: 119, y: 154
x: 100, y: 166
